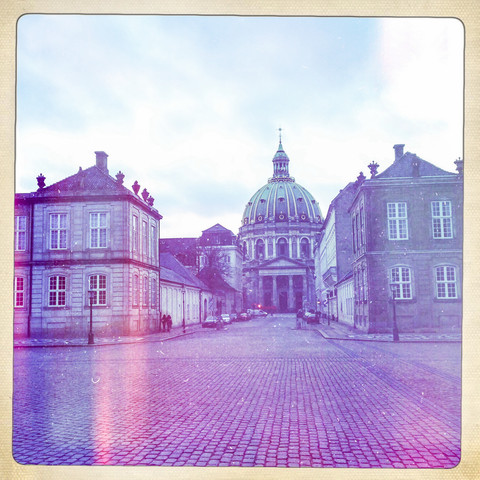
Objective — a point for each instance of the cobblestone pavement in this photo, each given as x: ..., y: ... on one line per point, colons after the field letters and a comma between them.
x: 259, y: 393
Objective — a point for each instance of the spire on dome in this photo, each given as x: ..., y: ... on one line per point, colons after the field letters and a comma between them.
x: 280, y: 161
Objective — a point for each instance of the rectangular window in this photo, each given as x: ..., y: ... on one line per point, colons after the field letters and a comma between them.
x: 154, y: 292
x: 19, y: 292
x: 145, y: 291
x: 397, y: 221
x: 154, y: 243
x: 58, y: 231
x: 98, y: 285
x: 446, y: 282
x: 135, y: 233
x: 98, y: 230
x: 354, y: 239
x: 20, y: 233
x: 145, y: 237
x: 135, y: 291
x: 362, y: 226
x: 57, y: 291
x: 442, y: 219
x: 401, y: 279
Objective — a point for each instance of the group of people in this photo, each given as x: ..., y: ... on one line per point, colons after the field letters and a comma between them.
x: 165, y: 323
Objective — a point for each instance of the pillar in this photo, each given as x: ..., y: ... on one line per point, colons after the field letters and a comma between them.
x: 291, y: 297
x: 274, y: 292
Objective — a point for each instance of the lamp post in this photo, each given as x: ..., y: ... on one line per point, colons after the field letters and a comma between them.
x: 91, y: 296
x: 183, y: 295
x: 393, y: 288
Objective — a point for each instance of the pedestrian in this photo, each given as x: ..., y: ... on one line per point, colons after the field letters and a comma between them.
x: 169, y: 323
x: 164, y: 323
x: 299, y: 318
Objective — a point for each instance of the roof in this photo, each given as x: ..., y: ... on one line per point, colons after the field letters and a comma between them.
x: 93, y: 182
x: 171, y: 269
x: 404, y: 167
x: 213, y: 278
x: 217, y: 228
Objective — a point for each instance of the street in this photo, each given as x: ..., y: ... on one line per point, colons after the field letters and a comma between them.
x: 258, y: 393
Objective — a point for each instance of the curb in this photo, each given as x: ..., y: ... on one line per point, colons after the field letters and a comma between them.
x: 104, y: 344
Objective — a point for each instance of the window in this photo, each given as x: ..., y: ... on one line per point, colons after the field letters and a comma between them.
x: 135, y: 291
x: 98, y: 284
x: 260, y: 250
x: 145, y: 237
x: 397, y: 221
x: 362, y: 226
x: 98, y: 230
x: 145, y: 291
x: 446, y: 282
x: 135, y: 233
x: 153, y: 246
x: 19, y: 292
x: 154, y: 292
x: 305, y: 248
x: 282, y: 247
x: 20, y: 232
x: 57, y: 291
x: 442, y: 219
x: 401, y: 279
x: 58, y: 231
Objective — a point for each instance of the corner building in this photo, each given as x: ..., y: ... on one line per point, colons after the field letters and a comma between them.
x: 277, y: 235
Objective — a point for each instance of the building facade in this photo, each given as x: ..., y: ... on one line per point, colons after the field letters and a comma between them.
x: 277, y: 235
x: 407, y: 234
x: 85, y: 239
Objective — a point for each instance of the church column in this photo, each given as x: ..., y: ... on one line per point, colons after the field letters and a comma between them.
x: 262, y: 294
x: 275, y: 292
x: 274, y: 247
x: 290, y: 253
x: 304, y: 287
x: 299, y: 254
x: 291, y: 296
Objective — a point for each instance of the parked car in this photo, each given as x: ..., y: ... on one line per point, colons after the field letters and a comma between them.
x: 259, y: 313
x: 310, y: 317
x: 225, y: 318
x: 233, y: 317
x: 244, y: 316
x: 210, y: 322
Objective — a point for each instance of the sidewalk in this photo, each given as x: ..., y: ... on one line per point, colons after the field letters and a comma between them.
x: 338, y: 331
x: 101, y: 341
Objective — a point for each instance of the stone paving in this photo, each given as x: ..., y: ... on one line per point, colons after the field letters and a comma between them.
x: 259, y: 393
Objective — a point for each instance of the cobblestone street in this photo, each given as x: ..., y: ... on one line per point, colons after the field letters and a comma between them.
x: 259, y: 393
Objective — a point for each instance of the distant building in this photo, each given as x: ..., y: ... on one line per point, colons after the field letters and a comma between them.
x: 183, y: 296
x: 407, y: 233
x: 279, y: 226
x: 335, y: 255
x: 86, y: 233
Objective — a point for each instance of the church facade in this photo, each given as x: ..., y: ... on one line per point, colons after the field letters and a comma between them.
x: 279, y: 226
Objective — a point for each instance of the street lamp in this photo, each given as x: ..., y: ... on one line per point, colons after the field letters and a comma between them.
x: 91, y: 297
x: 393, y: 288
x: 183, y: 295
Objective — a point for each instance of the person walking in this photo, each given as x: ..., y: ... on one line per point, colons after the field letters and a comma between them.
x: 169, y: 323
x: 299, y: 318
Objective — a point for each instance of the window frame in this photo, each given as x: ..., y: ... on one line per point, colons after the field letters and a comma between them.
x: 400, y: 292
x: 98, y: 289
x: 99, y: 229
x: 395, y: 221
x: 58, y: 229
x: 19, y: 292
x: 18, y: 233
x: 446, y: 282
x: 57, y: 291
x: 444, y: 221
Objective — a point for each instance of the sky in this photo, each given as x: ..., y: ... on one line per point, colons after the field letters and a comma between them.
x: 190, y: 106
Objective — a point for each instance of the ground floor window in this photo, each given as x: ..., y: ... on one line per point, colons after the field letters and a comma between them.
x: 446, y: 282
x: 19, y: 292
x: 401, y: 279
x: 98, y: 284
x: 57, y: 291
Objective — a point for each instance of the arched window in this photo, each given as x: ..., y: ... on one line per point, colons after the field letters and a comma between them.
x: 305, y: 248
x: 260, y: 250
x: 282, y: 247
x: 401, y: 278
x: 445, y: 281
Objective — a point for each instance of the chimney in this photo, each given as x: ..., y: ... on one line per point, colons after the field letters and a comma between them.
x: 102, y: 161
x: 398, y: 150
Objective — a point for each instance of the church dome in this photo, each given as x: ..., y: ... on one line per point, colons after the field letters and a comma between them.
x: 281, y: 199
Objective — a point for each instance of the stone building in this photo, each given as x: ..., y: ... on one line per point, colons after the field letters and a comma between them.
x: 407, y: 234
x: 278, y: 230
x: 86, y: 233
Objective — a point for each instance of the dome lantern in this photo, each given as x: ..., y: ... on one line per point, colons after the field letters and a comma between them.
x: 280, y: 161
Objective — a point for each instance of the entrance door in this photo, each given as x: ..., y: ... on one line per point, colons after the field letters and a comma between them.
x: 283, y: 301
